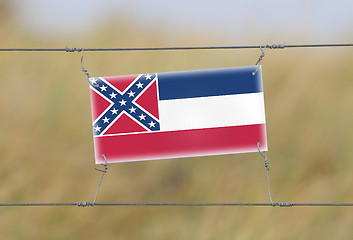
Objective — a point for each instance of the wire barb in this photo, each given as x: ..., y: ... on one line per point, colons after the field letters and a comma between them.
x: 105, y: 164
x: 284, y: 204
x: 68, y: 49
x: 276, y: 46
x: 84, y: 204
x: 263, y: 154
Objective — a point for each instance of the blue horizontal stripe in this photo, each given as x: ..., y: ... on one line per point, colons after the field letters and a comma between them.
x: 214, y: 82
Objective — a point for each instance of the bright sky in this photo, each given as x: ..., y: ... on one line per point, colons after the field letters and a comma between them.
x: 314, y: 20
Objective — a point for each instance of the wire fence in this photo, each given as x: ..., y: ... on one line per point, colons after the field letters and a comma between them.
x: 92, y: 204
x: 268, y: 46
x: 89, y: 204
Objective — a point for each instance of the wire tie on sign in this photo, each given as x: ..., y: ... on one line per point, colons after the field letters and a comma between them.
x: 105, y: 164
x: 262, y: 55
x: 68, y: 49
x: 90, y: 80
x: 260, y: 59
x: 263, y: 154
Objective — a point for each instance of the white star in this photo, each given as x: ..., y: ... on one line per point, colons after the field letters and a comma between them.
x: 148, y: 76
x: 93, y: 80
x: 152, y: 124
x: 142, y: 117
x: 103, y: 88
x: 106, y: 120
x: 122, y: 102
x: 139, y: 85
x: 113, y: 95
x: 131, y: 93
x: 114, y: 111
x: 97, y: 128
x: 132, y: 109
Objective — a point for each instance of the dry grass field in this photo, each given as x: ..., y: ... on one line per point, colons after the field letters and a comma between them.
x: 47, y: 148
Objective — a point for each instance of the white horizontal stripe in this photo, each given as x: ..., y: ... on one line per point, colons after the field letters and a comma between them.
x: 209, y: 112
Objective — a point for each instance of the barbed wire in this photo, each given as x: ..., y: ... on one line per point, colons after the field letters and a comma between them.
x: 89, y: 204
x: 268, y: 46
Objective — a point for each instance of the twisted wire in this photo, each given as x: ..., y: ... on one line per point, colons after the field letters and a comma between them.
x: 263, y: 154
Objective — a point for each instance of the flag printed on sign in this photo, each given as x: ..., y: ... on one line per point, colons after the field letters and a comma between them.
x: 180, y: 114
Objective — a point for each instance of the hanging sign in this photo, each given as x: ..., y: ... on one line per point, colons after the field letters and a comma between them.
x: 178, y: 114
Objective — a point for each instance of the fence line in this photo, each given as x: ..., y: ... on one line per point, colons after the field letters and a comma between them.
x: 268, y: 46
x: 88, y: 204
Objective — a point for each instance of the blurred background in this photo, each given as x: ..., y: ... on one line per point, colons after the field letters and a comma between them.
x: 46, y: 140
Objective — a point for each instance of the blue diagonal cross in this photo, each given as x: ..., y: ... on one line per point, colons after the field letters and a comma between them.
x: 123, y: 103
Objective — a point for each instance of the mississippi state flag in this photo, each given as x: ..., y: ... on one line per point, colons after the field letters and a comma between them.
x: 179, y: 114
